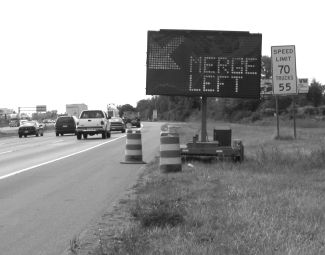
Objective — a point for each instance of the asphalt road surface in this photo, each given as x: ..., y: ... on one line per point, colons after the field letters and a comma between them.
x: 52, y: 187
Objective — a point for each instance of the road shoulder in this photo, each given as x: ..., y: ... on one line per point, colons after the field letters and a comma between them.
x: 106, y: 228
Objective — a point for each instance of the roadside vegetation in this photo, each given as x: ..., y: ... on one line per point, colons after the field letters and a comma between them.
x: 272, y: 203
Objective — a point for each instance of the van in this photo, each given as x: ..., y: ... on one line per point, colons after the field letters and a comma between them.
x: 65, y: 125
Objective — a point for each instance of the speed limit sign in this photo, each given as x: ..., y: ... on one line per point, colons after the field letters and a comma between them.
x: 284, y: 70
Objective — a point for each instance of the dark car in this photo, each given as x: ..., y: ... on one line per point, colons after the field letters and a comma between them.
x: 117, y: 124
x: 30, y: 128
x: 65, y: 125
x: 132, y: 122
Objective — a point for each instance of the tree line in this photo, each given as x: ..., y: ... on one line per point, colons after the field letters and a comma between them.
x: 181, y: 108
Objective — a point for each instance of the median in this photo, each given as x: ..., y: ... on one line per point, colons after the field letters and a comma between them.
x: 13, y: 131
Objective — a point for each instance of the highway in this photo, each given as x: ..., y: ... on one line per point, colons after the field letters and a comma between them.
x: 52, y: 187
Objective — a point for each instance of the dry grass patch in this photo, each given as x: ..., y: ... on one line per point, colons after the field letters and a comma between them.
x: 272, y: 203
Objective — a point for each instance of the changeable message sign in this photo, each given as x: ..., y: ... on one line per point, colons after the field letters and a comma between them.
x: 284, y: 70
x: 204, y: 63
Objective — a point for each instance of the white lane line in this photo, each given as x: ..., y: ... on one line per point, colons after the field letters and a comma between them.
x: 59, y: 141
x: 5, y: 152
x: 60, y: 158
x: 4, y: 143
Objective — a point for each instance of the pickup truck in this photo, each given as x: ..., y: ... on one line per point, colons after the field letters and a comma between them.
x: 93, y: 122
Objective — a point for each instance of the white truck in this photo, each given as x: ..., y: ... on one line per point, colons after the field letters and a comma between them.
x: 14, y: 120
x: 112, y: 111
x: 93, y: 122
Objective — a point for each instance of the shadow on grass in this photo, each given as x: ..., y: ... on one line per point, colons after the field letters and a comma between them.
x: 284, y: 137
x: 158, y: 213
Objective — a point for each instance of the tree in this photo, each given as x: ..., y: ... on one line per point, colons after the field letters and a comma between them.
x: 169, y: 107
x: 266, y: 71
x: 314, y: 94
x: 45, y: 115
x: 145, y: 107
x: 124, y: 108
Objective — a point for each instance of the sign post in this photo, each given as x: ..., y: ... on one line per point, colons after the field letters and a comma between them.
x: 284, y: 70
x: 277, y: 115
x: 284, y: 75
x: 204, y: 118
x: 294, y: 116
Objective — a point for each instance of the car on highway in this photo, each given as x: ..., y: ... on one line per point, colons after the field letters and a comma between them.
x: 47, y: 121
x: 21, y: 122
x: 30, y: 128
x: 65, y: 125
x: 13, y: 123
x: 93, y: 122
x: 117, y: 124
x: 16, y: 122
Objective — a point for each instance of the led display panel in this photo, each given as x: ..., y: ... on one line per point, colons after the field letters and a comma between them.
x: 204, y: 63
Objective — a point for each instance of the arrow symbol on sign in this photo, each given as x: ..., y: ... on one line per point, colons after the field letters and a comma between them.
x: 160, y: 56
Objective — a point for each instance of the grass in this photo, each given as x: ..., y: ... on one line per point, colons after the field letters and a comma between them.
x: 272, y: 203
x: 74, y: 245
x: 158, y: 212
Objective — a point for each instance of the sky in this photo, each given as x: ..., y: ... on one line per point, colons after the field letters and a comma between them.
x: 58, y: 52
